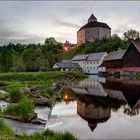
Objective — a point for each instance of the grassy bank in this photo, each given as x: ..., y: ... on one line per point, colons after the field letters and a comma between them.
x: 6, y: 132
x: 37, y: 76
x: 41, y: 79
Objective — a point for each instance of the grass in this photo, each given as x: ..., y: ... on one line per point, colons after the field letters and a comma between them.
x: 37, y: 76
x: 21, y: 109
x: 6, y: 132
x: 49, y: 135
x: 15, y: 95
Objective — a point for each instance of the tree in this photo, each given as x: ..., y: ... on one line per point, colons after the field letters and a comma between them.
x: 131, y: 35
x: 52, y: 45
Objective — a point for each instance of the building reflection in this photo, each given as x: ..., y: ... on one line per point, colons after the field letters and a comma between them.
x: 95, y: 100
x: 93, y: 115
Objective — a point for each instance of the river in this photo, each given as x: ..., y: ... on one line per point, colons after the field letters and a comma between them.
x: 99, y: 108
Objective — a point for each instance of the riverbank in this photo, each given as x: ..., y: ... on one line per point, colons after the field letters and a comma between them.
x: 27, y: 90
x: 6, y: 132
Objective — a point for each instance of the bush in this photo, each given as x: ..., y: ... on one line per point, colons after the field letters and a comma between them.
x: 21, y: 109
x: 5, y: 131
x: 49, y: 135
x: 26, y: 106
x: 15, y: 95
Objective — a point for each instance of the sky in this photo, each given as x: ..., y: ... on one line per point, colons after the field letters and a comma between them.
x: 34, y: 21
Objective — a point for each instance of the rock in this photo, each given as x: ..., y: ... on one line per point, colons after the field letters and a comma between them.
x: 38, y: 121
x: 34, y: 90
x: 42, y: 101
x: 32, y: 116
x: 54, y: 84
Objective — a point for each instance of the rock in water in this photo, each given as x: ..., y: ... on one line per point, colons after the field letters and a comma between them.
x: 32, y: 116
x: 42, y: 101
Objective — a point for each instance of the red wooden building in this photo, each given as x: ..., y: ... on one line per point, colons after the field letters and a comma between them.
x: 124, y: 60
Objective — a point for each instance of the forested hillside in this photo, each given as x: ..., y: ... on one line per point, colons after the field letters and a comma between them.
x: 37, y: 57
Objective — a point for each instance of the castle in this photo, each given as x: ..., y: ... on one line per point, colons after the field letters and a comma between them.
x: 93, y: 30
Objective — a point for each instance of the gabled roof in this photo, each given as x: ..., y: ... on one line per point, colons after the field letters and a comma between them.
x: 80, y: 57
x: 89, y: 57
x: 137, y: 45
x: 96, y: 56
x: 115, y: 55
x: 69, y: 65
x: 94, y: 24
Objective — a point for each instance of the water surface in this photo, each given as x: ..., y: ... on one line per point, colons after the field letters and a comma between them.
x: 104, y: 108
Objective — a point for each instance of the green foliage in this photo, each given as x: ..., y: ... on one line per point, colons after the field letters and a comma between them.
x: 26, y: 106
x: 49, y: 135
x: 138, y: 75
x: 131, y: 35
x: 21, y: 109
x: 106, y: 44
x: 15, y: 95
x: 37, y: 76
x: 5, y: 131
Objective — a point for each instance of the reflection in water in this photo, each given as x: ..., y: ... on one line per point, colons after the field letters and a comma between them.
x: 98, y: 101
x: 93, y: 114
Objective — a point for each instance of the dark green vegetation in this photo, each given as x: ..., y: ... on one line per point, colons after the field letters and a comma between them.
x: 6, y: 132
x: 37, y: 57
x: 37, y: 79
x: 22, y: 109
x: 22, y: 101
x: 106, y: 44
x: 106, y: 102
x: 32, y: 57
x: 138, y: 76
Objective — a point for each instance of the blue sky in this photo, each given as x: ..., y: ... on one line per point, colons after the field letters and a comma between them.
x: 33, y: 21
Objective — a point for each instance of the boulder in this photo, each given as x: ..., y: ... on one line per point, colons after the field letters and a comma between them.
x: 32, y: 116
x: 42, y: 101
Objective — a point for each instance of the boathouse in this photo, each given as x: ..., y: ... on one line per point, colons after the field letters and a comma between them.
x: 114, y: 59
x: 131, y: 57
x: 123, y: 62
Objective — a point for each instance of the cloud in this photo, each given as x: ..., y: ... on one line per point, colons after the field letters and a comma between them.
x: 120, y: 29
x: 64, y: 23
x: 13, y: 30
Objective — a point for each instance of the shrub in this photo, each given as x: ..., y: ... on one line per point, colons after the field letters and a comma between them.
x: 21, y: 109
x: 12, y: 109
x: 5, y: 131
x: 26, y: 106
x: 49, y: 135
x: 15, y: 95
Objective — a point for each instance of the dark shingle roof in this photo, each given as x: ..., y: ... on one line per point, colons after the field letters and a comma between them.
x: 92, y: 17
x: 94, y: 24
x: 80, y: 57
x: 90, y: 57
x: 95, y: 56
x: 116, y: 55
x: 69, y: 65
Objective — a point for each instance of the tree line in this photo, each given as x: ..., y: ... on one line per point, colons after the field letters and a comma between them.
x: 41, y: 57
x: 31, y: 57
